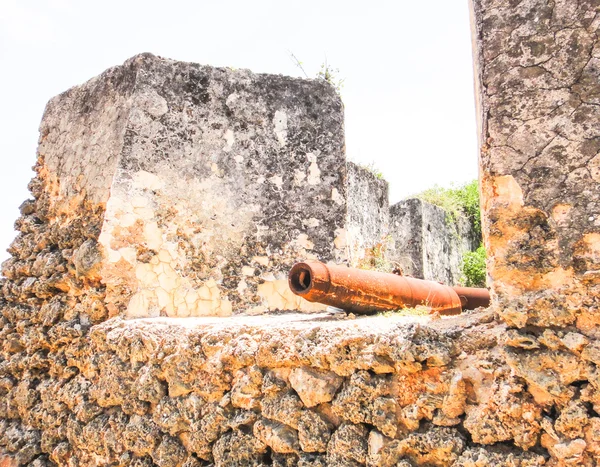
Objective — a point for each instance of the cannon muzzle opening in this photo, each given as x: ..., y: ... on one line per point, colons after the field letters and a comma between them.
x: 300, y: 279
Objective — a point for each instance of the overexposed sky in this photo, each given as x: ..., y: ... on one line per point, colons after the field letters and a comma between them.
x: 407, y: 65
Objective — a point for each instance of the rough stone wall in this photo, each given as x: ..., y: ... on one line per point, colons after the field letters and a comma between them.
x: 367, y: 221
x: 426, y: 243
x: 538, y: 75
x: 284, y: 391
x: 539, y: 109
x: 516, y: 386
x: 406, y: 230
x: 51, y: 295
x: 212, y: 182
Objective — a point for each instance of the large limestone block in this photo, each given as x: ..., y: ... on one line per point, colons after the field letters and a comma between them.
x: 209, y: 183
x: 538, y: 92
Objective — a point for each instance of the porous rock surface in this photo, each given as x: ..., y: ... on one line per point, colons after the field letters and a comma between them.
x: 539, y: 108
x: 80, y: 388
x: 207, y: 183
x: 367, y: 214
x: 229, y: 391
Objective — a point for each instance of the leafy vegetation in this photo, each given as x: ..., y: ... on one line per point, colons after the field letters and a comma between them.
x: 331, y: 75
x: 462, y: 201
x: 473, y: 268
x: 456, y: 201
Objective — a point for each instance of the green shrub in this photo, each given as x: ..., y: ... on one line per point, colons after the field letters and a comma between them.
x: 459, y: 201
x: 462, y: 201
x: 332, y: 76
x: 473, y: 268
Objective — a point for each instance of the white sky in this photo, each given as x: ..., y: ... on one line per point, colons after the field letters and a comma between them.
x: 407, y: 66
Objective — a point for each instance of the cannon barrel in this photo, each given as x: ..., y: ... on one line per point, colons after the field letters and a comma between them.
x: 363, y: 292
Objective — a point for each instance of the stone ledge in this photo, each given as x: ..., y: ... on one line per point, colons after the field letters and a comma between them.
x: 340, y: 391
x: 294, y: 339
x: 293, y: 319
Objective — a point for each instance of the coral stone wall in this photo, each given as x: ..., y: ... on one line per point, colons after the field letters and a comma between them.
x: 514, y: 386
x: 426, y: 243
x: 537, y: 69
x: 539, y: 108
x: 272, y: 390
x: 367, y: 221
x: 213, y: 182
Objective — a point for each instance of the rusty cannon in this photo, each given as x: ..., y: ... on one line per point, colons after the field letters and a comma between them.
x: 363, y: 292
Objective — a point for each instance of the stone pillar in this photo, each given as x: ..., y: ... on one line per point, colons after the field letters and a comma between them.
x: 208, y: 183
x: 538, y: 93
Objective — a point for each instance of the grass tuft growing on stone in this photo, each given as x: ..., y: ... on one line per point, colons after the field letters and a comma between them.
x: 420, y: 311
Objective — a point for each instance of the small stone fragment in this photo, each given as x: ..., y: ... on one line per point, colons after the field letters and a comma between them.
x: 574, y: 341
x: 279, y: 437
x: 284, y: 407
x: 246, y: 389
x: 314, y: 386
x: 349, y: 442
x: 515, y: 338
x: 169, y: 453
x: 236, y: 448
x: 313, y: 432
x: 571, y: 451
x: 572, y: 420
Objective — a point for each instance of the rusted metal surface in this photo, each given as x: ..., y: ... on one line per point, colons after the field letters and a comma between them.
x: 360, y: 291
x: 472, y: 297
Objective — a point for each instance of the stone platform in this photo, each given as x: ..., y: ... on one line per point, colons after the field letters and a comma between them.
x: 299, y: 390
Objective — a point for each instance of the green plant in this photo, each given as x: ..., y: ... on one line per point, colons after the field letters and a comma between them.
x: 473, y: 268
x: 456, y: 201
x: 298, y: 63
x: 326, y: 73
x: 331, y: 75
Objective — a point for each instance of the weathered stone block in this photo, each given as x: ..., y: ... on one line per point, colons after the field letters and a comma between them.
x: 314, y: 387
x: 426, y: 243
x: 211, y: 183
x: 367, y: 221
x: 279, y: 437
x: 537, y: 91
